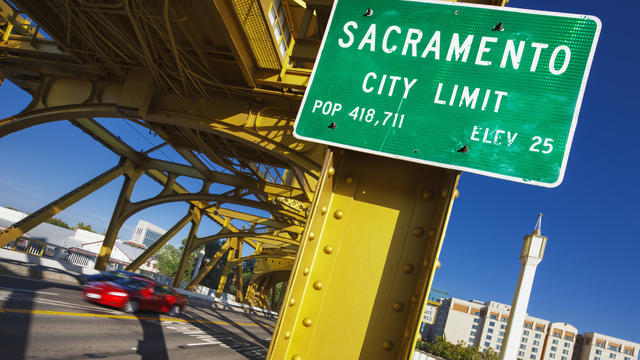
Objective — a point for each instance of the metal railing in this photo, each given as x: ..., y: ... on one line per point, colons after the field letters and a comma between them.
x: 42, y: 249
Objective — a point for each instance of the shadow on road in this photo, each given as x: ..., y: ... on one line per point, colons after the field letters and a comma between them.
x: 152, y: 346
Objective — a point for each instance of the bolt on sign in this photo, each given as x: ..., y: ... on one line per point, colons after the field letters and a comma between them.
x: 490, y: 90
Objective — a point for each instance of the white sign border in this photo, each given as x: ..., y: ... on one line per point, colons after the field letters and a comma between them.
x: 574, y: 121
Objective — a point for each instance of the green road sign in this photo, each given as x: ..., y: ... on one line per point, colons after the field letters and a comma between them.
x: 489, y: 90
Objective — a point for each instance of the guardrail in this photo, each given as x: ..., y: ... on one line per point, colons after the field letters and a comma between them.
x: 42, y: 249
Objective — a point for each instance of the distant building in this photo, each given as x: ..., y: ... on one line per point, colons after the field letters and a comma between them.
x: 146, y: 233
x: 83, y: 246
x: 483, y: 325
x: 595, y: 346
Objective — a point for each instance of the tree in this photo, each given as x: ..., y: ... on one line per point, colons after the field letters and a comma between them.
x: 84, y: 226
x: 460, y: 351
x: 58, y: 222
x: 169, y: 260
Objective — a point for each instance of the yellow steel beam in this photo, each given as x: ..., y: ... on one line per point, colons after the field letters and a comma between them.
x: 14, y: 231
x: 116, y: 220
x: 188, y: 247
x: 204, y: 269
x: 225, y: 272
x: 367, y: 258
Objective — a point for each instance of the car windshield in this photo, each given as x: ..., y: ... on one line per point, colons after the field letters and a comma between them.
x: 132, y: 283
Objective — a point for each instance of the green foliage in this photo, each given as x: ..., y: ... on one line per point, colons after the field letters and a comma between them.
x: 441, y: 347
x: 58, y: 222
x: 169, y: 260
x: 84, y: 226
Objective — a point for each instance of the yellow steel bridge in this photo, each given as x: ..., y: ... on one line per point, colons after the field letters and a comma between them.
x: 355, y: 237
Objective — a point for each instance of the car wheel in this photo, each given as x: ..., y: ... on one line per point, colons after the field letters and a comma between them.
x: 130, y: 307
x: 175, y: 310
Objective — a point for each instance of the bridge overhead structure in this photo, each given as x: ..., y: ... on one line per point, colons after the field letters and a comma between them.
x: 220, y: 82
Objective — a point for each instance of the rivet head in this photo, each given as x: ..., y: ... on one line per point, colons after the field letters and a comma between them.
x: 456, y: 193
x: 427, y: 195
x: 348, y: 180
x: 287, y: 335
x: 312, y: 235
x: 418, y: 232
x: 444, y: 193
x: 387, y: 345
x: 292, y: 302
x: 413, y: 299
x: 397, y: 307
x: 408, y: 268
x: 317, y: 285
x: 438, y: 264
x: 432, y: 233
x: 324, y: 210
x: 305, y: 271
x: 296, y: 357
x: 338, y: 214
x: 307, y: 322
x: 328, y: 249
x: 406, y: 333
x: 331, y: 171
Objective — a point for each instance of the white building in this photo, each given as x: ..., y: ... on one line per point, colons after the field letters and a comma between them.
x: 146, y: 233
x: 483, y: 325
x: 595, y: 346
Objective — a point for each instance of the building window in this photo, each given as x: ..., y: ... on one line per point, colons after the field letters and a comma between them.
x: 523, y: 346
x: 499, y: 341
x: 534, y: 350
x: 539, y: 328
x: 596, y: 358
x: 503, y: 327
x: 612, y: 356
x: 528, y: 326
x: 555, y: 342
x: 627, y: 351
x: 552, y: 356
x: 563, y: 358
x: 536, y: 342
x: 486, y: 343
x: 473, y: 333
x: 533, y: 356
x: 492, y: 323
x: 488, y: 337
x: 525, y: 332
x: 553, y: 348
x: 474, y: 327
x: 471, y: 340
x: 490, y: 331
x: 504, y: 320
x: 566, y: 352
x: 494, y: 317
x: 520, y: 353
x: 280, y: 28
x: 524, y: 339
x: 537, y: 336
x: 598, y: 352
x: 613, y: 348
x: 567, y: 344
x: 501, y: 333
x: 476, y: 320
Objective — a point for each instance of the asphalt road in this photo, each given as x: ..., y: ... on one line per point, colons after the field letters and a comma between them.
x: 46, y: 320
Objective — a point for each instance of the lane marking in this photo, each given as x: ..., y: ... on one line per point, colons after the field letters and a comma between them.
x: 31, y: 291
x: 131, y: 317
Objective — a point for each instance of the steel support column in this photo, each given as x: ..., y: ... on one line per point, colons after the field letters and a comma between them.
x: 239, y: 293
x: 16, y: 230
x: 225, y: 273
x: 204, y: 270
x: 366, y: 261
x: 188, y: 247
x: 135, y: 264
x: 114, y: 225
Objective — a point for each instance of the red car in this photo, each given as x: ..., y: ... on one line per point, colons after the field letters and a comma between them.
x: 134, y: 294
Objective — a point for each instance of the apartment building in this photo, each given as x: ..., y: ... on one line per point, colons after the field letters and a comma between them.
x: 595, y: 346
x: 483, y: 325
x: 146, y: 233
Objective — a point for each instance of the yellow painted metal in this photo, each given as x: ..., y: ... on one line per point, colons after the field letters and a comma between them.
x: 14, y: 231
x: 188, y: 247
x: 204, y: 269
x: 371, y: 242
x: 225, y: 273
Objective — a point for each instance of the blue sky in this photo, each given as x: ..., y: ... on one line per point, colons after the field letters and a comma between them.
x: 590, y: 274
